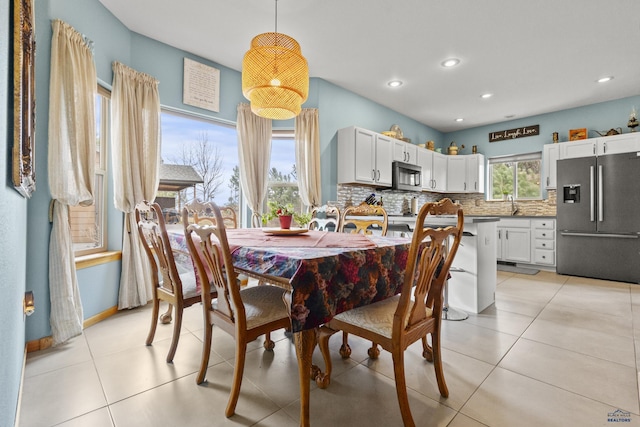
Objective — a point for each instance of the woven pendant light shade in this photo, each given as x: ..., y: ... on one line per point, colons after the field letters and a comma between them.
x: 275, y: 76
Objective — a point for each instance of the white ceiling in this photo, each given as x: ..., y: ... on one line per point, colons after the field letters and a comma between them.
x: 535, y: 56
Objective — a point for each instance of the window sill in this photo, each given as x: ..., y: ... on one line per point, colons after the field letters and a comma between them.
x: 92, y: 260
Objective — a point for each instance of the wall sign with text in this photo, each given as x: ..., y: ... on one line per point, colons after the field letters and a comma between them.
x: 201, y: 86
x: 514, y: 133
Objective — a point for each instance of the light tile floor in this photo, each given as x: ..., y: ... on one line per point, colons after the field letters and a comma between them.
x: 553, y: 351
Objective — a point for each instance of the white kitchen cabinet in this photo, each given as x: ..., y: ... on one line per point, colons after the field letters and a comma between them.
x: 615, y: 144
x: 434, y: 170
x: 544, y: 238
x: 456, y: 174
x: 364, y: 157
x: 465, y: 174
x: 405, y: 152
x: 439, y: 172
x: 575, y: 149
x: 550, y: 156
x: 514, y: 240
x: 475, y: 173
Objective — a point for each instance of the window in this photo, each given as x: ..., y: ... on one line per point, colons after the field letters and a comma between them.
x: 88, y: 223
x: 517, y: 176
x: 283, y: 180
x: 211, y: 148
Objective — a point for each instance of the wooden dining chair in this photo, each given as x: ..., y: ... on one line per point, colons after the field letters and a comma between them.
x: 204, y: 215
x: 177, y: 288
x: 399, y: 321
x: 325, y: 218
x: 372, y: 218
x: 245, y: 313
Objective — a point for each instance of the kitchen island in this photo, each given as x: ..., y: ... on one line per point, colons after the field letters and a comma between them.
x: 473, y: 274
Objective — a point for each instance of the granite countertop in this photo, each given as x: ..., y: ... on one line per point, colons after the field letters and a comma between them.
x: 467, y: 218
x: 514, y: 216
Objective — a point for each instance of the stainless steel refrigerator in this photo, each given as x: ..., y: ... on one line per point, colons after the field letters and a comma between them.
x: 598, y: 217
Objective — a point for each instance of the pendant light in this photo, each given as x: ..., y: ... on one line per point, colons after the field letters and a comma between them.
x: 275, y: 75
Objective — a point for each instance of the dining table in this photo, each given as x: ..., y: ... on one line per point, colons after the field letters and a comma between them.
x: 326, y: 272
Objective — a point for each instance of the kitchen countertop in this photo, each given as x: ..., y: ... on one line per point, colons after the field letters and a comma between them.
x: 467, y: 219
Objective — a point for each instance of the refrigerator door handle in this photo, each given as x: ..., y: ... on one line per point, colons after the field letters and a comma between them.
x: 600, y: 192
x: 591, y: 195
x: 608, y: 235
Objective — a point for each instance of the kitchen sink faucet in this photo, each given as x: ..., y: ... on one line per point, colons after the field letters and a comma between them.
x: 514, y: 207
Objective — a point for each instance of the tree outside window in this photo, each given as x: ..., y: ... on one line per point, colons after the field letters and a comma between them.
x: 517, y: 176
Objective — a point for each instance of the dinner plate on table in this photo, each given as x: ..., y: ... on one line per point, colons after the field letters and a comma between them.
x: 284, y: 232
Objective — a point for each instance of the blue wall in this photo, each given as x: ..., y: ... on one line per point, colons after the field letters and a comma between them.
x: 600, y: 117
x: 13, y: 229
x: 113, y: 41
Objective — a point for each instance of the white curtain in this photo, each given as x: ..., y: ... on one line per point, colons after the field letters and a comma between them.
x: 71, y: 164
x: 254, y: 153
x: 307, y: 135
x: 135, y: 141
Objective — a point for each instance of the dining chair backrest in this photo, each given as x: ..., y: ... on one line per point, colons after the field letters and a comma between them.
x: 210, y: 251
x: 175, y: 286
x: 153, y: 234
x: 265, y: 310
x: 325, y: 218
x: 430, y: 257
x: 203, y: 214
x: 365, y: 218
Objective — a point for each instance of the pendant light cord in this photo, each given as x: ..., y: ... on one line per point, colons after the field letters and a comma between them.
x: 276, y: 16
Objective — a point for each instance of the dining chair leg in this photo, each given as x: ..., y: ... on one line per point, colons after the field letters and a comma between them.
x: 238, y: 371
x: 154, y: 321
x: 166, y: 316
x: 427, y: 351
x: 374, y: 351
x: 437, y: 364
x: 401, y: 388
x: 268, y: 343
x: 206, y: 349
x: 176, y: 335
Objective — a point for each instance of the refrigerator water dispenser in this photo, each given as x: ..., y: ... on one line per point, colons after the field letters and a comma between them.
x: 571, y: 194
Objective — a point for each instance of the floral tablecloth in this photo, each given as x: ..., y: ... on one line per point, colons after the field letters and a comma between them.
x: 325, y: 281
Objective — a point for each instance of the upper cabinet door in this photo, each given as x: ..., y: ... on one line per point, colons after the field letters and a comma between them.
x: 365, y: 160
x: 439, y: 174
x: 550, y: 156
x: 457, y: 174
x: 625, y: 143
x: 384, y: 153
x: 576, y: 149
x: 405, y: 152
x: 425, y: 161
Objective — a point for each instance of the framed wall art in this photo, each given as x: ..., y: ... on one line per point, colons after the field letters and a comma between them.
x: 24, y: 99
x: 577, y: 134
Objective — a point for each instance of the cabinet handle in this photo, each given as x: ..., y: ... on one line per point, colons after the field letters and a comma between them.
x: 378, y: 179
x: 547, y: 180
x: 594, y: 148
x: 506, y: 234
x: 499, y: 234
x: 605, y: 147
x: 465, y: 186
x: 544, y: 234
x: 373, y: 174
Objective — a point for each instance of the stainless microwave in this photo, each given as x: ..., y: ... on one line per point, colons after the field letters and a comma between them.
x: 406, y: 177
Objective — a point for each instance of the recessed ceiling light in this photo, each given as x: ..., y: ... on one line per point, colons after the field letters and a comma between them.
x: 486, y: 95
x: 452, y: 62
x: 605, y: 79
x: 459, y: 119
x: 395, y: 83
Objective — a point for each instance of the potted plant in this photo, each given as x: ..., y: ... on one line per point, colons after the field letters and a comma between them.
x: 285, y: 214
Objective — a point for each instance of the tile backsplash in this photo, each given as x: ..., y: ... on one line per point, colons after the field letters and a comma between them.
x: 397, y: 202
